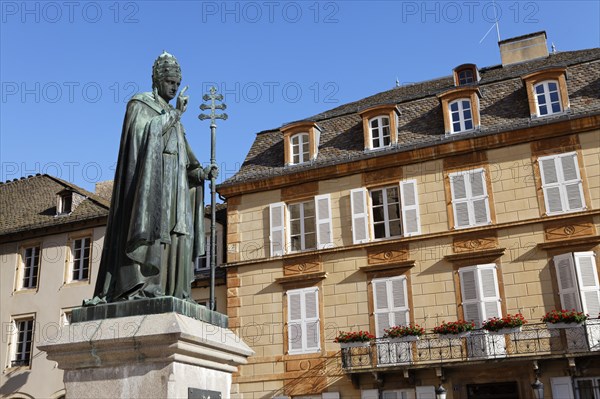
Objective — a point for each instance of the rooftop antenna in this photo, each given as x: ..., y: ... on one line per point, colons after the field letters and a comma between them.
x: 553, y: 48
x: 397, y: 82
x: 496, y: 24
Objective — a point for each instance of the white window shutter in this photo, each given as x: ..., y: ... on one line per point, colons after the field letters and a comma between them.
x: 470, y: 300
x: 295, y: 336
x: 277, y: 223
x: 382, y: 307
x: 399, y: 301
x: 562, y: 387
x: 550, y: 185
x: 587, y: 274
x: 323, y: 218
x: 369, y: 394
x: 481, y: 212
x: 567, y: 281
x: 311, y: 303
x: 360, y: 217
x: 489, y: 292
x: 410, y: 208
x: 460, y: 204
x: 572, y: 182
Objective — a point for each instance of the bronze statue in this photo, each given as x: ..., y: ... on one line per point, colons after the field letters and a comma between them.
x: 156, y: 222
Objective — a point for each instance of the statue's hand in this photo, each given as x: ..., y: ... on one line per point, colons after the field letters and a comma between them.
x: 182, y: 100
x: 211, y: 171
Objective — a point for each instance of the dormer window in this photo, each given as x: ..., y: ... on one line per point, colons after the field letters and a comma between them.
x: 300, y: 148
x: 465, y: 74
x: 301, y: 142
x: 64, y: 203
x: 380, y: 126
x: 547, y: 92
x: 460, y: 107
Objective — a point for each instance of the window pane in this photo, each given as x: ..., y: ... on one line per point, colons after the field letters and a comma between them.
x: 309, y: 209
x: 556, y: 107
x: 379, y: 230
x: 377, y: 197
x: 552, y: 86
x: 395, y: 229
x: 454, y: 107
x: 375, y: 123
x: 310, y: 241
x: 539, y: 89
x: 468, y: 125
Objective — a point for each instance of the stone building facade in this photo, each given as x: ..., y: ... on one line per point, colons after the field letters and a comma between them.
x: 471, y: 196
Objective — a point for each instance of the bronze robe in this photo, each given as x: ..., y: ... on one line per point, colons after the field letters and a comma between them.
x: 156, y: 220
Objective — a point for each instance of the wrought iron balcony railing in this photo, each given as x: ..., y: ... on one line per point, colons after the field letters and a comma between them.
x: 432, y: 349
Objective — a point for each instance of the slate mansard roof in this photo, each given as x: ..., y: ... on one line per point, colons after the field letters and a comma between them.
x: 30, y: 203
x: 503, y: 107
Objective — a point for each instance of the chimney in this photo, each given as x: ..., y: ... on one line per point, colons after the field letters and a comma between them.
x: 523, y: 48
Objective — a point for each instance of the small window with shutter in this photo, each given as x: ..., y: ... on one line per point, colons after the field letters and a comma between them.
x: 578, y: 285
x: 561, y: 183
x: 303, y: 326
x: 470, y: 202
x: 391, y: 212
x: 480, y: 294
x: 307, y: 226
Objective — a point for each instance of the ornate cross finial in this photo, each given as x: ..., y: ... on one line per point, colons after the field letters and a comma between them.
x: 213, y: 106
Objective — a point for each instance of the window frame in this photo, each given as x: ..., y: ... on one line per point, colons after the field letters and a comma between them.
x: 23, y: 266
x: 462, y: 119
x: 16, y: 358
x: 391, y: 310
x: 381, y: 136
x: 302, y: 234
x: 546, y: 94
x: 303, y: 321
x: 297, y: 149
x: 378, y: 112
x: 73, y: 260
x: 561, y: 184
x: 385, y: 206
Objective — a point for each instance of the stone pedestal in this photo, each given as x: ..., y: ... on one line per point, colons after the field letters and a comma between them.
x: 164, y: 355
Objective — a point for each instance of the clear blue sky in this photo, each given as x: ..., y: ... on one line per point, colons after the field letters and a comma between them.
x: 67, y: 68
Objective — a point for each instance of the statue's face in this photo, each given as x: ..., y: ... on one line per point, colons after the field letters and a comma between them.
x: 167, y: 87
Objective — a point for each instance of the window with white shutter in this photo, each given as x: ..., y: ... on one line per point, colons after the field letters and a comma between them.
x: 307, y: 225
x: 578, y: 284
x: 561, y: 183
x: 470, y: 202
x: 480, y: 294
x: 390, y: 301
x: 303, y: 321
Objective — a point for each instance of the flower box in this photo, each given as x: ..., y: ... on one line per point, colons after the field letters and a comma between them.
x: 456, y: 335
x: 457, y: 329
x: 365, y: 344
x: 551, y: 326
x: 567, y: 318
x: 504, y: 331
x: 359, y: 338
x: 406, y: 338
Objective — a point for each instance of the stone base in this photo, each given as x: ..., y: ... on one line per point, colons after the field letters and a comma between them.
x: 148, y: 356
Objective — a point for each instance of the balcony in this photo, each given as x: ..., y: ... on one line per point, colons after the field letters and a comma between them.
x: 534, y: 340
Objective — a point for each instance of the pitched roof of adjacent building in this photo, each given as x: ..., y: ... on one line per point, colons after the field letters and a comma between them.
x: 30, y: 203
x: 503, y: 107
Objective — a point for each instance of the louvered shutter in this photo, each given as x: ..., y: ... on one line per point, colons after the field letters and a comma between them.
x: 587, y: 275
x: 295, y: 336
x: 460, y: 204
x: 410, y: 208
x: 382, y: 308
x: 360, y: 227
x: 562, y: 387
x: 425, y: 392
x: 323, y: 219
x: 470, y: 301
x: 397, y: 286
x: 550, y: 185
x: 489, y: 292
x: 479, y: 197
x: 277, y: 233
x: 311, y: 304
x: 567, y: 282
x: 572, y: 182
